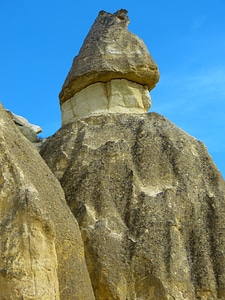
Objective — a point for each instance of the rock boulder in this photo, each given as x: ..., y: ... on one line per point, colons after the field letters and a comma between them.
x: 110, y: 51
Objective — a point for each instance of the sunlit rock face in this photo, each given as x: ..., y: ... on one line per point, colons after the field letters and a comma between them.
x: 113, y: 64
x: 150, y: 204
x: 41, y: 248
x: 115, y: 96
x: 148, y: 198
x: 29, y: 130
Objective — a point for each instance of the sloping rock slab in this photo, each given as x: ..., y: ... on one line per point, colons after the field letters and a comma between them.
x: 41, y: 247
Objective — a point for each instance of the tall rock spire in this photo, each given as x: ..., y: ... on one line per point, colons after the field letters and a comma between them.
x: 113, y: 71
x: 148, y: 198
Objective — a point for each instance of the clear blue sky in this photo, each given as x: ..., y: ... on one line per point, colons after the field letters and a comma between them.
x: 186, y: 39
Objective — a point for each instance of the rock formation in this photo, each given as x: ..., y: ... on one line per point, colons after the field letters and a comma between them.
x: 41, y: 247
x: 29, y: 130
x: 149, y: 201
x: 150, y: 204
x: 114, y: 67
x: 115, y: 96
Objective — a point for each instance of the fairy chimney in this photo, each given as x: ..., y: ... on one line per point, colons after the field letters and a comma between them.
x: 113, y: 72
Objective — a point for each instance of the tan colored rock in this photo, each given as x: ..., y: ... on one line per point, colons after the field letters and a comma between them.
x: 41, y: 247
x: 21, y: 121
x: 29, y: 130
x: 150, y: 204
x: 115, y: 96
x: 109, y: 52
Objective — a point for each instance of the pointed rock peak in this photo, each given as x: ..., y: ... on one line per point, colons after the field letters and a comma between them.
x: 110, y: 52
x: 120, y: 17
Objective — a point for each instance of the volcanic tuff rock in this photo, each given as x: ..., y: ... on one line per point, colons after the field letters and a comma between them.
x: 150, y: 204
x: 110, y: 52
x: 29, y: 130
x: 41, y: 247
x: 115, y: 96
x: 148, y: 198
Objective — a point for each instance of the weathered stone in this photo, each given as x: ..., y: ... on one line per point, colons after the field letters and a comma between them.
x: 40, y: 243
x: 109, y: 52
x: 115, y: 96
x: 29, y: 130
x: 150, y: 204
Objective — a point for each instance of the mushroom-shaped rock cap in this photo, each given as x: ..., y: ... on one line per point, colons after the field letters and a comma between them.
x: 110, y: 51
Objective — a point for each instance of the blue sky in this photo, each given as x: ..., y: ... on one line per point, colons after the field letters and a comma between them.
x: 39, y: 40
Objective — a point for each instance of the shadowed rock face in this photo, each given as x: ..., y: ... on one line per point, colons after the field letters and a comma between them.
x: 109, y: 52
x: 41, y: 247
x: 150, y: 204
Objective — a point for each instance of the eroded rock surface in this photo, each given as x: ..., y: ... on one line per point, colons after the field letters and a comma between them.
x: 110, y: 51
x: 29, y: 130
x: 150, y: 205
x: 115, y: 96
x: 41, y: 247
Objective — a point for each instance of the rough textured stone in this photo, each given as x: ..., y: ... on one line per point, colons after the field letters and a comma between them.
x: 150, y: 204
x: 115, y: 96
x: 40, y: 243
x: 24, y: 122
x: 29, y: 130
x: 109, y: 52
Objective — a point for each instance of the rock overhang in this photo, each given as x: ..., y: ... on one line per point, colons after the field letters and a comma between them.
x: 110, y: 51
